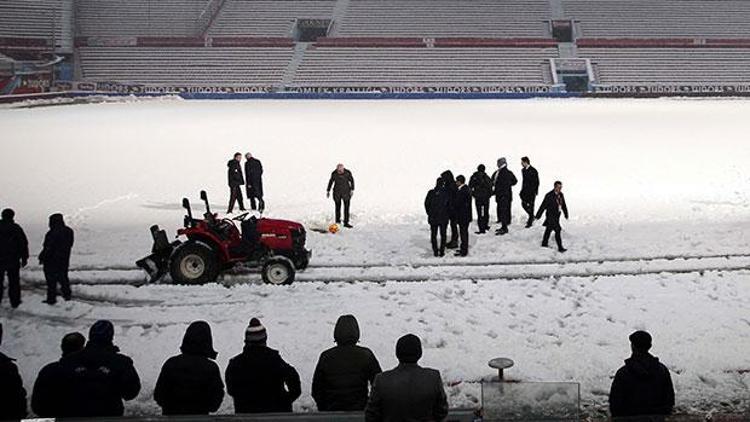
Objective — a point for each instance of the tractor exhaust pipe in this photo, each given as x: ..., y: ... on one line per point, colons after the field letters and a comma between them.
x: 204, y: 198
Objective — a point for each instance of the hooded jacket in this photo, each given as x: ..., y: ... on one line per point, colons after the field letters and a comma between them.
x: 190, y: 383
x: 343, y: 372
x: 14, y: 247
x: 234, y: 174
x: 642, y: 387
x: 58, y: 242
x: 260, y: 381
x: 450, y: 186
x: 12, y: 393
x: 437, y: 205
x: 98, y: 379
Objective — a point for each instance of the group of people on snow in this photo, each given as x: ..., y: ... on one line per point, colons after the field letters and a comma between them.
x: 449, y: 204
x: 252, y: 180
x: 54, y: 257
x: 92, y: 379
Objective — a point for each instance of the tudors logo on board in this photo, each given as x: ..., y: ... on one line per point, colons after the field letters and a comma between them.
x: 672, y: 89
x: 422, y: 89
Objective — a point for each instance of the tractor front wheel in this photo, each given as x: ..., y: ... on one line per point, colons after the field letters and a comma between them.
x: 194, y: 263
x: 278, y: 271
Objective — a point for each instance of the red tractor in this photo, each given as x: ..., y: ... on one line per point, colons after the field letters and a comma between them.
x: 215, y: 245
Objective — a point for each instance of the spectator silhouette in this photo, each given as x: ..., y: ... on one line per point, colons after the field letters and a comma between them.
x: 258, y: 379
x: 99, y: 377
x: 48, y: 397
x: 643, y: 386
x: 343, y: 372
x: 12, y: 393
x: 55, y: 258
x: 437, y: 203
x: 190, y: 383
x: 14, y: 255
x: 407, y: 392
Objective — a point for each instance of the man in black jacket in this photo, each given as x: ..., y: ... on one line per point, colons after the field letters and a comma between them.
x: 343, y: 372
x: 12, y: 393
x: 235, y: 180
x: 258, y: 379
x: 529, y: 189
x: 481, y: 189
x: 407, y: 392
x: 48, y: 397
x: 254, y: 182
x: 99, y: 378
x: 504, y: 180
x: 14, y: 255
x: 450, y: 186
x: 553, y: 204
x: 643, y: 387
x: 190, y: 383
x: 463, y: 214
x: 55, y: 258
x: 342, y: 182
x: 437, y: 204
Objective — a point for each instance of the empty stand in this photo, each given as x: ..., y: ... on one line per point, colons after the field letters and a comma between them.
x: 669, y: 65
x: 267, y: 18
x: 43, y: 19
x: 363, y: 66
x: 445, y: 18
x: 186, y: 66
x: 122, y: 18
x: 662, y: 18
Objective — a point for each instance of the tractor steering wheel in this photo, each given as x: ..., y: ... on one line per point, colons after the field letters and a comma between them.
x: 241, y: 217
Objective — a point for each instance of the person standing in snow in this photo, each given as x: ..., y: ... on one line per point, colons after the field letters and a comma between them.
x: 190, y: 383
x: 48, y: 397
x: 342, y: 183
x: 463, y: 214
x: 344, y: 372
x: 504, y: 180
x: 99, y: 377
x: 14, y: 255
x: 254, y: 182
x: 437, y: 204
x: 12, y: 393
x: 554, y: 205
x: 643, y: 387
x: 235, y: 181
x: 450, y: 186
x: 258, y: 379
x: 55, y: 258
x: 408, y: 392
x: 481, y: 189
x: 529, y: 189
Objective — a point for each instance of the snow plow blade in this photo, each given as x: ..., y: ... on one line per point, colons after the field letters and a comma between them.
x: 156, y: 265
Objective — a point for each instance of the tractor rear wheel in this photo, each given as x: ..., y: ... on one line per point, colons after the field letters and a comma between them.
x: 194, y: 263
x: 278, y: 271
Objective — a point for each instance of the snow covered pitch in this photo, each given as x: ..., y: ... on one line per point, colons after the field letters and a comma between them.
x: 646, y: 181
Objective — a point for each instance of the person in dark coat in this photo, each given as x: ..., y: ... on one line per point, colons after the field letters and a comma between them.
x: 254, y: 182
x: 258, y: 379
x: 342, y: 183
x: 463, y: 214
x: 99, y: 378
x: 190, y: 383
x: 50, y: 389
x: 529, y: 189
x: 481, y: 189
x: 407, y: 392
x: 235, y: 181
x: 553, y: 204
x: 504, y: 180
x: 643, y: 387
x: 450, y: 185
x: 12, y: 393
x: 437, y: 203
x: 14, y: 255
x: 55, y: 258
x: 344, y: 372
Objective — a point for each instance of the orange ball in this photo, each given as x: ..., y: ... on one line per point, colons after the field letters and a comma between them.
x: 333, y: 228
